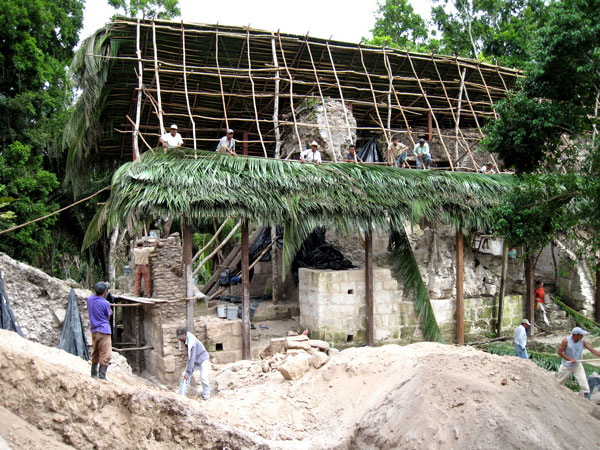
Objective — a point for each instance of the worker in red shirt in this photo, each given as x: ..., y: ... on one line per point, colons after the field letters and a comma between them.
x: 540, y: 295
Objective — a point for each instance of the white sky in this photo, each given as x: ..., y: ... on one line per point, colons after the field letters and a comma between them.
x: 345, y: 20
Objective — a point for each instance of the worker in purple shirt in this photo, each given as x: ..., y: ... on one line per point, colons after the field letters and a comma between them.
x: 99, y: 311
x: 197, y: 357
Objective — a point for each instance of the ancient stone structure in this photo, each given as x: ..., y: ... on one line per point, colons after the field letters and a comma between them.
x: 312, y: 111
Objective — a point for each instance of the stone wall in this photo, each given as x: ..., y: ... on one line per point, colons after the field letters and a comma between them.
x: 39, y: 301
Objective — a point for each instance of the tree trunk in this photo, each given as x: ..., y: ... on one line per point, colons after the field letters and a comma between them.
x: 245, y: 293
x: 369, y: 287
x: 502, y: 290
x: 529, y: 283
x: 112, y: 256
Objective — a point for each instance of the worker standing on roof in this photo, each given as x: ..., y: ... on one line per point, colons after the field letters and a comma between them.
x: 227, y: 143
x: 172, y: 139
x: 99, y: 311
x: 397, y: 154
x: 351, y: 156
x: 311, y: 154
x: 140, y: 257
x: 571, y: 352
x: 520, y: 339
x: 421, y: 152
x: 197, y: 357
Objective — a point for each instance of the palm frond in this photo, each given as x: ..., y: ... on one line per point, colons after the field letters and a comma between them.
x: 405, y: 267
x: 580, y: 319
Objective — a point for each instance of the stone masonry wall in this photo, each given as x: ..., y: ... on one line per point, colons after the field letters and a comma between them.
x: 39, y: 301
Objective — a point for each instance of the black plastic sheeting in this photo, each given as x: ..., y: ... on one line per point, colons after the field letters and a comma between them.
x: 370, y: 153
x: 7, y: 317
x: 72, y: 336
x: 315, y: 253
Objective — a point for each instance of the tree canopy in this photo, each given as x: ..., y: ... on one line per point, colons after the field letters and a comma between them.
x: 147, y: 9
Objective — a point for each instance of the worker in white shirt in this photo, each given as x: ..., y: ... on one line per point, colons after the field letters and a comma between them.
x: 520, y: 339
x: 172, y: 139
x: 311, y: 154
x: 227, y: 143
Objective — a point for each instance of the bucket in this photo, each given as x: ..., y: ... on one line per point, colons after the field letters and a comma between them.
x: 221, y: 311
x: 232, y: 312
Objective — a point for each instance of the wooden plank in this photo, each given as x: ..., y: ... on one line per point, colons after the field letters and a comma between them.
x: 460, y: 306
x: 245, y: 294
x: 369, y: 287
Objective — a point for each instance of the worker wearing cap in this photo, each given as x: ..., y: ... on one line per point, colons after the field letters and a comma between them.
x: 99, y: 311
x: 520, y: 339
x: 227, y: 143
x: 140, y: 257
x: 571, y: 351
x: 172, y: 139
x: 312, y: 154
x: 197, y: 357
x: 421, y: 152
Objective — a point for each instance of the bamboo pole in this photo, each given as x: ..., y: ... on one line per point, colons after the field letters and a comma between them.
x: 254, y: 96
x: 185, y: 86
x: 404, y: 117
x: 289, y: 75
x: 460, y: 306
x: 391, y: 86
x: 337, y: 80
x: 138, y: 106
x: 139, y: 133
x: 362, y: 60
x: 369, y: 288
x: 157, y: 77
x: 212, y: 239
x: 431, y: 110
x: 219, y: 247
x: 220, y: 77
x: 312, y: 61
x: 493, y: 109
x: 276, y: 100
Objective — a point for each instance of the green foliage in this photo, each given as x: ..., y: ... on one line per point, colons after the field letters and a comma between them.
x: 147, y: 9
x: 405, y: 266
x: 535, y: 210
x: 22, y: 176
x: 580, y: 319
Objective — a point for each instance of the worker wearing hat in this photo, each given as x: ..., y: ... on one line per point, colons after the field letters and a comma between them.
x: 172, y: 139
x: 99, y: 311
x: 227, y: 143
x: 520, y: 339
x: 312, y: 154
x: 197, y: 357
x: 571, y: 351
x: 422, y: 154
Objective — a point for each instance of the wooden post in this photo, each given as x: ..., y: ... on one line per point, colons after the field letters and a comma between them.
x: 502, y: 289
x: 369, y: 287
x: 189, y: 277
x: 460, y: 306
x: 245, y: 143
x: 529, y: 300
x: 220, y: 77
x: 185, y: 86
x: 429, y: 125
x: 276, y: 100
x: 156, y: 75
x: 254, y: 94
x: 597, y: 295
x: 275, y: 266
x: 138, y: 106
x: 337, y: 81
x: 245, y: 293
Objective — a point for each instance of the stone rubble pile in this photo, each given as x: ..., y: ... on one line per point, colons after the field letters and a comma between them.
x: 293, y: 356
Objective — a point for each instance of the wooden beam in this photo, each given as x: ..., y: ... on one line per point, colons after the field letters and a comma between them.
x: 460, y: 306
x: 502, y: 289
x: 189, y: 277
x: 429, y: 126
x: 245, y: 143
x: 369, y: 287
x: 245, y: 293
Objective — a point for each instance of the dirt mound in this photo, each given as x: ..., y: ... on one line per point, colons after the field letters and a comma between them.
x: 421, y: 396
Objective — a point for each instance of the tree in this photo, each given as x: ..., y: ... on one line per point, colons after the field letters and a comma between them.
x: 36, y: 45
x: 147, y: 9
x: 397, y: 25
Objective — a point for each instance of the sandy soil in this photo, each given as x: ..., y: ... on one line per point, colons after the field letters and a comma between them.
x: 420, y: 396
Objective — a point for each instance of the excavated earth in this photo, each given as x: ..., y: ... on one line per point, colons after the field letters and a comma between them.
x: 422, y: 396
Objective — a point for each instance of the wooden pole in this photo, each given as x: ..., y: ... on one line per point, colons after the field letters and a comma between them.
x: 220, y: 77
x: 289, y: 75
x: 157, y: 77
x: 312, y: 61
x: 369, y: 287
x: 429, y: 126
x: 254, y: 94
x: 189, y: 277
x: 276, y: 100
x: 502, y: 289
x: 597, y: 295
x: 138, y: 106
x: 185, y: 87
x: 460, y: 306
x: 219, y: 247
x: 245, y: 293
x: 245, y: 143
x: 275, y: 266
x: 530, y: 299
x: 337, y: 81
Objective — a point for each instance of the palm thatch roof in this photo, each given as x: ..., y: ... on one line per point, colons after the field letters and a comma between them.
x: 210, y: 77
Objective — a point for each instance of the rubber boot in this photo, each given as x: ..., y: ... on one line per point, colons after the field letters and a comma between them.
x: 94, y: 370
x: 102, y: 373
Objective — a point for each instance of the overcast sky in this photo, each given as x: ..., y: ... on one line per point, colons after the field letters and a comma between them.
x: 345, y: 20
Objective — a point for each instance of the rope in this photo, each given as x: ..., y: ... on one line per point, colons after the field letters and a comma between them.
x: 55, y: 212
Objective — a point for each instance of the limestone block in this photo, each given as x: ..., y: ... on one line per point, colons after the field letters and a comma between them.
x: 59, y: 315
x: 295, y: 366
x: 297, y: 342
x: 382, y: 335
x: 321, y: 345
x: 277, y: 345
x: 317, y: 360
